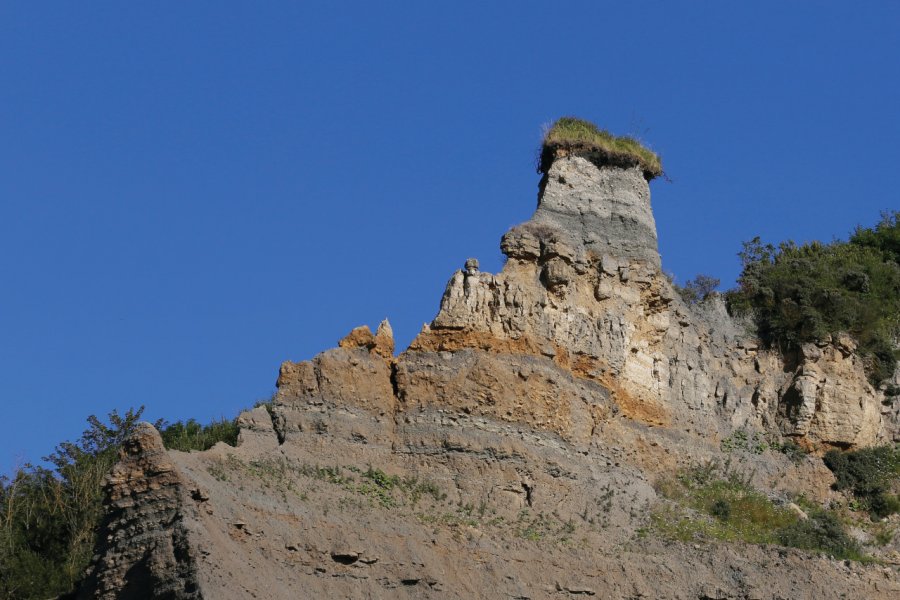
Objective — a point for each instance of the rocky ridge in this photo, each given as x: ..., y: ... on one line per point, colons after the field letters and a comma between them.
x: 512, y: 449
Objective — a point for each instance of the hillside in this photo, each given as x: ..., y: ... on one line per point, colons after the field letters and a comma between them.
x: 567, y: 427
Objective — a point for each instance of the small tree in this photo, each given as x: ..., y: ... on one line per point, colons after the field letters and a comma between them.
x: 698, y: 288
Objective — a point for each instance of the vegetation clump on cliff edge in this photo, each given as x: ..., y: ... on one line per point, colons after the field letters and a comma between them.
x: 192, y: 435
x: 570, y: 135
x: 806, y: 293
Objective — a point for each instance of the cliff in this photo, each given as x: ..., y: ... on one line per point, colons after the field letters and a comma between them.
x: 516, y: 448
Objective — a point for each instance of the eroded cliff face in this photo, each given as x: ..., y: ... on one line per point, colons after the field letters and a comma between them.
x: 582, y: 296
x: 512, y: 449
x: 583, y: 288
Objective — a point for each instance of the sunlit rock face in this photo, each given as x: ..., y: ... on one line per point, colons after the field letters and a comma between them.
x: 583, y: 288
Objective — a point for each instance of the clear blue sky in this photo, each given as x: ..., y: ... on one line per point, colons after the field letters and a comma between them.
x: 191, y: 193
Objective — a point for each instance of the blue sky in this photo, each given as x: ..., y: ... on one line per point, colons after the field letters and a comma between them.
x: 191, y: 193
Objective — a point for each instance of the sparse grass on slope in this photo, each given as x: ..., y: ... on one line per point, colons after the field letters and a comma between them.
x: 713, y: 502
x: 577, y: 136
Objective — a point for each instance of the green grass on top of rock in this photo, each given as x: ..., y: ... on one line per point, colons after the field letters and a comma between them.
x: 577, y: 136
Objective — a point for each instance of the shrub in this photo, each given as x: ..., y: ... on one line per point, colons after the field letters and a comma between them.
x: 869, y: 474
x: 805, y: 293
x: 697, y: 289
x: 793, y: 451
x: 821, y: 532
x: 583, y: 138
x: 884, y: 504
x: 721, y: 508
x: 748, y: 441
x: 884, y: 237
x: 191, y: 435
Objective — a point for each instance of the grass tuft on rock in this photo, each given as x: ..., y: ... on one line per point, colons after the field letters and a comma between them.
x: 570, y: 135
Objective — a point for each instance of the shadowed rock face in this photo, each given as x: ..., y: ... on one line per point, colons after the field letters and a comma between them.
x: 144, y: 548
x: 511, y: 450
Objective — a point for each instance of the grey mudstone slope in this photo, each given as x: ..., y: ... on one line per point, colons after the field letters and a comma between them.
x: 514, y: 449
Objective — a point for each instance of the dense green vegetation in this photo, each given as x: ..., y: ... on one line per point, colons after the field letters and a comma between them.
x: 871, y: 474
x: 884, y: 237
x: 49, y: 515
x: 583, y: 137
x: 799, y: 294
x: 191, y: 435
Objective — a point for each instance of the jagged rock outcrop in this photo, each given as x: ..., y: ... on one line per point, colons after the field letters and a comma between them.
x: 144, y: 547
x: 512, y: 449
x: 583, y: 288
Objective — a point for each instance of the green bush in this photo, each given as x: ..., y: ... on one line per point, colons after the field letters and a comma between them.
x: 871, y: 474
x: 884, y: 237
x: 884, y: 504
x: 721, y: 508
x: 793, y: 451
x: 583, y: 138
x: 805, y: 293
x: 821, y: 532
x: 49, y: 516
x: 191, y: 435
